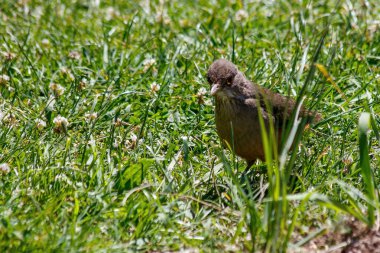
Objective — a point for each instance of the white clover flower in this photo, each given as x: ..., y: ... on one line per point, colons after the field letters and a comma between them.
x: 154, y: 87
x: 45, y: 43
x: 67, y: 73
x: 148, y: 63
x: 57, y: 89
x: 111, y: 13
x: 37, y: 12
x: 9, y: 118
x: 118, y: 122
x: 241, y: 15
x: 9, y: 56
x: 4, y: 79
x: 60, y: 123
x: 201, y: 92
x: 133, y: 142
x: 200, y: 95
x: 91, y: 116
x: 4, y: 168
x: 133, y: 138
x: 40, y: 124
x: 74, y: 55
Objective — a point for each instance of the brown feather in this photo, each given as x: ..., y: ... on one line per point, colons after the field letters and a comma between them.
x: 237, y: 105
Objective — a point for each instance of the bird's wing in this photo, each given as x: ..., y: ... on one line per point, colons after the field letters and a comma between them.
x: 282, y: 107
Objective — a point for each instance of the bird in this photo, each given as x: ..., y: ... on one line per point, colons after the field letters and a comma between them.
x: 238, y: 104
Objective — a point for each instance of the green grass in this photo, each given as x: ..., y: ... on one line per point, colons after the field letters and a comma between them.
x: 139, y: 166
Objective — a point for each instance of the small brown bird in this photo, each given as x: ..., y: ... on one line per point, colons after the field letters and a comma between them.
x: 237, y: 105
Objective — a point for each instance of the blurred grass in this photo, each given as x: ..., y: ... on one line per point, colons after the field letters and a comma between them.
x: 140, y: 166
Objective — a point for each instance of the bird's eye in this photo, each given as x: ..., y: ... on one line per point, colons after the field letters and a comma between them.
x: 229, y: 80
x: 208, y: 79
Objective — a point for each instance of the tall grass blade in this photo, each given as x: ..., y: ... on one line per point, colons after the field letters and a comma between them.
x: 364, y: 123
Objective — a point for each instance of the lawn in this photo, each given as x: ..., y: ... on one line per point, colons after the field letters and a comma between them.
x: 107, y: 134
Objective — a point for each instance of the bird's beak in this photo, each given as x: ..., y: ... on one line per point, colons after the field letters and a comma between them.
x: 215, y: 88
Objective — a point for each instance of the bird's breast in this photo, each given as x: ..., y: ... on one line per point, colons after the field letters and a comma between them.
x: 234, y: 114
x: 238, y: 124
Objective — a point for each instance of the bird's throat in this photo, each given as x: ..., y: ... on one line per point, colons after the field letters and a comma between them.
x: 225, y: 108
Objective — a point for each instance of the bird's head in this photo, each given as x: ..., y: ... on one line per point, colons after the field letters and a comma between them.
x: 220, y: 76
